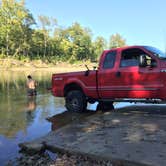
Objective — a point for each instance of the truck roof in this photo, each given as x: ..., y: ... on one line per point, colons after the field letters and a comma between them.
x: 125, y: 47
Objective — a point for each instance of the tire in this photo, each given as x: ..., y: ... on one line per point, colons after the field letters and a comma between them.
x: 91, y: 101
x: 75, y: 101
x: 105, y: 106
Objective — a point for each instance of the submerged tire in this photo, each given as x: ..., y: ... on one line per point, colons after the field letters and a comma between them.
x: 75, y: 101
x: 105, y: 106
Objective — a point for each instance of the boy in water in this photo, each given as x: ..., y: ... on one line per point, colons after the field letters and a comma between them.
x: 31, y: 85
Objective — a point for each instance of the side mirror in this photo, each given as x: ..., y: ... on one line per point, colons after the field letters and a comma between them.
x: 153, y: 63
x: 142, y: 61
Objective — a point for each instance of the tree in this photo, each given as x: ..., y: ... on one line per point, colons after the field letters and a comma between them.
x: 116, y: 40
x: 37, y: 44
x: 19, y: 39
x: 80, y: 39
x: 98, y: 46
x: 64, y: 44
x: 15, y: 22
x: 46, y: 23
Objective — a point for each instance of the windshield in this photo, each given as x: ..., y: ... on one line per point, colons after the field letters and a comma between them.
x: 156, y: 52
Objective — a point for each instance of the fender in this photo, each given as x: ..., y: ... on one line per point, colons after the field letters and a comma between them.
x: 74, y: 81
x: 87, y: 84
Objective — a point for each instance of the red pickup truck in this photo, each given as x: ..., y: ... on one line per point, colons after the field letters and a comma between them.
x: 133, y: 73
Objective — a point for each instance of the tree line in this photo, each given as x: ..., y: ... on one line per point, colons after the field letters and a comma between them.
x: 22, y: 37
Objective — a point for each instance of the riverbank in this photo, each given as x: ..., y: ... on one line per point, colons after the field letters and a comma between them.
x: 132, y: 135
x: 39, y: 65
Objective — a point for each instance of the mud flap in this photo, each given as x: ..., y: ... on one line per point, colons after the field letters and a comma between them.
x: 92, y: 107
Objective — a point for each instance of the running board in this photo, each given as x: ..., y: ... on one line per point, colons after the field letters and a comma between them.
x: 155, y: 101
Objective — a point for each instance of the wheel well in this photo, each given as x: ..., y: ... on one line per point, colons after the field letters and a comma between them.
x: 72, y: 86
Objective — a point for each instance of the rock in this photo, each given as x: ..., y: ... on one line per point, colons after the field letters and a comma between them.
x: 42, y: 159
x: 32, y: 148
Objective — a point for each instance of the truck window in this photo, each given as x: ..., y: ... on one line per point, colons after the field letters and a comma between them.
x: 130, y: 57
x: 109, y: 60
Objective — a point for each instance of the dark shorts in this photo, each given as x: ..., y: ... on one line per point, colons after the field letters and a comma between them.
x: 31, y: 92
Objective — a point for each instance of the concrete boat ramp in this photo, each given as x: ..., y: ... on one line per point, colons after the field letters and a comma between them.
x: 134, y: 135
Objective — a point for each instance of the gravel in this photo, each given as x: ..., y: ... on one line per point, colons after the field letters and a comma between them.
x: 45, y: 159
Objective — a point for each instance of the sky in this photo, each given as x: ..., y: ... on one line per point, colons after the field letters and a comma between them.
x: 140, y: 22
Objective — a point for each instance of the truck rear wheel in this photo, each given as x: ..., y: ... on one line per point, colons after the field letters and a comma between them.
x: 75, y: 101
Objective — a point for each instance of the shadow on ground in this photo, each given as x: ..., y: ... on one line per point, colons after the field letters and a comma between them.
x: 67, y: 117
x: 144, y: 109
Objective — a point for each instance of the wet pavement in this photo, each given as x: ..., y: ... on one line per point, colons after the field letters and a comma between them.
x: 134, y: 134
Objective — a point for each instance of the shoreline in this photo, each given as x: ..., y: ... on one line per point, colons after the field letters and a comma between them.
x: 56, y: 69
x: 60, y: 69
x: 38, y: 65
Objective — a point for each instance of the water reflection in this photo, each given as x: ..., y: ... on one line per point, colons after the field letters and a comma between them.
x: 67, y: 117
x: 23, y: 118
x: 31, y: 103
x: 14, y: 104
x: 31, y: 107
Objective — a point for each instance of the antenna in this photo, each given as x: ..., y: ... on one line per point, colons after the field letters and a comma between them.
x: 87, y: 67
x: 87, y: 72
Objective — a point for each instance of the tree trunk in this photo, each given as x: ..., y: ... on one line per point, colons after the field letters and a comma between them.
x: 7, y: 44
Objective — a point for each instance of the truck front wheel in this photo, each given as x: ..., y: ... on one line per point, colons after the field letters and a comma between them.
x: 75, y: 101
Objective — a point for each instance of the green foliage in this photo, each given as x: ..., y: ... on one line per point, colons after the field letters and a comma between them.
x: 15, y: 22
x: 98, y: 46
x: 116, y: 40
x: 48, y: 41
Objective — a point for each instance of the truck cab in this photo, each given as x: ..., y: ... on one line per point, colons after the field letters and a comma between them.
x: 131, y: 72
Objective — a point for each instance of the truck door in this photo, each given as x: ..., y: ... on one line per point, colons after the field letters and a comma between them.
x: 120, y: 75
x: 107, y: 74
x: 135, y: 81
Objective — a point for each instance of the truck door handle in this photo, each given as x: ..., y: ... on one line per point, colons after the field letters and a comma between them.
x: 118, y: 74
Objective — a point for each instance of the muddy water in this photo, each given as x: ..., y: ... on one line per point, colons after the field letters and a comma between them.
x: 22, y: 118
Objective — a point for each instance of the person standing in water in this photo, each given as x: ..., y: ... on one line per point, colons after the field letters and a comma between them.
x: 31, y: 86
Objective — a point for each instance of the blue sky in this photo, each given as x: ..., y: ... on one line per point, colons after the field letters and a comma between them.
x: 140, y: 22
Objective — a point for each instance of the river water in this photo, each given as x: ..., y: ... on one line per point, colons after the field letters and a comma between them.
x: 22, y: 118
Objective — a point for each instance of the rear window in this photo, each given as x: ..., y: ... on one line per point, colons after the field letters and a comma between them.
x: 109, y: 60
